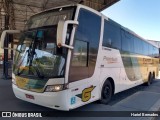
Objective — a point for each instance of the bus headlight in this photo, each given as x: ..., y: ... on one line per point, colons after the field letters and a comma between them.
x: 54, y: 88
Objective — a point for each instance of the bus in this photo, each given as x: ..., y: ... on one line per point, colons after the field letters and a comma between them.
x: 73, y: 55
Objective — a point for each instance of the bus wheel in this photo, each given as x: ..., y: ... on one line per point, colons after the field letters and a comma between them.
x: 153, y: 76
x: 106, y: 93
x: 149, y: 80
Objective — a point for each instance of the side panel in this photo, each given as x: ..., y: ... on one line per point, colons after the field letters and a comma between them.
x: 127, y: 70
x: 84, y: 68
x: 112, y: 67
x: 139, y: 66
x: 125, y: 57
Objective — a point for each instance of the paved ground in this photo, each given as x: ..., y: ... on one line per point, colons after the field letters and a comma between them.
x: 140, y: 98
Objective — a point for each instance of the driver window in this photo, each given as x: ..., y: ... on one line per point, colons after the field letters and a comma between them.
x: 80, y: 54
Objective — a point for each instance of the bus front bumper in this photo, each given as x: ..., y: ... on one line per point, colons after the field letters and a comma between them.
x: 54, y: 100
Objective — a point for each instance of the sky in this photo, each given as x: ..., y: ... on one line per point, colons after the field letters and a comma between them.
x: 140, y: 16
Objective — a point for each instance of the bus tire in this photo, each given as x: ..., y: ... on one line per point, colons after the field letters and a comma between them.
x: 149, y: 79
x: 106, y: 93
x: 153, y: 76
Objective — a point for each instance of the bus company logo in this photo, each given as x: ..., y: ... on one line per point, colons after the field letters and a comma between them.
x: 147, y: 61
x: 86, y: 94
x: 110, y: 60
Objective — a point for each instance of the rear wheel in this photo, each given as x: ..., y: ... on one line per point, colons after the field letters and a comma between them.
x: 153, y: 76
x: 150, y: 79
x: 106, y: 93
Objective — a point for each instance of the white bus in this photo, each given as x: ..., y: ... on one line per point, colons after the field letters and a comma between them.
x: 73, y: 55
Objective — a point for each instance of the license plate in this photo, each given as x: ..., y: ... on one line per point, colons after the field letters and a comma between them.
x: 29, y: 96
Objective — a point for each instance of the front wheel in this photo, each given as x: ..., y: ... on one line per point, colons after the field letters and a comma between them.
x: 106, y: 93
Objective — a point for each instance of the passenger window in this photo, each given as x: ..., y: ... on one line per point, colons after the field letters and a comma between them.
x: 138, y: 48
x: 111, y: 37
x: 145, y: 48
x: 127, y: 41
x: 150, y: 51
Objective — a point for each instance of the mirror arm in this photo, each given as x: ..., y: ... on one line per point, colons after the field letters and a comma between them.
x: 62, y: 33
x: 74, y: 23
x: 67, y: 46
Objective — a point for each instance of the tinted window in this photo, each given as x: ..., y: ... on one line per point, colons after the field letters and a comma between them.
x: 51, y: 17
x: 87, y: 35
x: 138, y: 48
x: 145, y: 48
x: 134, y: 44
x: 155, y: 52
x: 80, y: 54
x: 150, y: 50
x: 111, y: 37
x: 127, y: 41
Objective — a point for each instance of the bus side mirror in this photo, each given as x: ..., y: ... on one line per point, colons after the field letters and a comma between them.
x: 62, y: 32
x: 3, y: 36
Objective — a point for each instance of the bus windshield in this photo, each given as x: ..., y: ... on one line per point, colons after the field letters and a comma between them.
x: 51, y: 17
x: 38, y: 55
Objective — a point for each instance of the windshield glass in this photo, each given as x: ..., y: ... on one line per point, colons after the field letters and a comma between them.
x: 51, y: 17
x: 38, y: 55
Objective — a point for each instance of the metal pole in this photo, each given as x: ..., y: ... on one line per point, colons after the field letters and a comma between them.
x: 5, y: 60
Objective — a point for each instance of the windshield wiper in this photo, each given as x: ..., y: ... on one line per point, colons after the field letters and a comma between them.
x: 30, y: 60
x: 18, y: 73
x: 38, y: 73
x: 29, y: 67
x: 31, y: 54
x: 30, y: 57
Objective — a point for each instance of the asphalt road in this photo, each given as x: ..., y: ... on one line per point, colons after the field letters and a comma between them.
x: 8, y: 102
